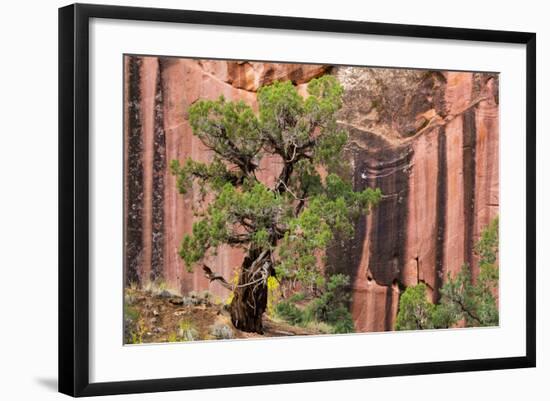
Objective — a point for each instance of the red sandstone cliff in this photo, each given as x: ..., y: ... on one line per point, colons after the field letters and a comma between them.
x: 429, y: 140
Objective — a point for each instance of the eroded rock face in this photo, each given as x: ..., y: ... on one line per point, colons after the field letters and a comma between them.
x: 428, y: 139
x: 251, y: 76
x: 436, y: 162
x: 157, y: 215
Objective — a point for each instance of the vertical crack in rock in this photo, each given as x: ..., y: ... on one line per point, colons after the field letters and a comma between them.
x: 134, y: 176
x: 159, y: 168
x: 469, y: 166
x: 441, y: 207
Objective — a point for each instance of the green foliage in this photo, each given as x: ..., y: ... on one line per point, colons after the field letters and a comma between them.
x: 134, y: 327
x: 487, y: 246
x: 415, y: 311
x: 230, y: 129
x: 131, y: 313
x: 297, y: 297
x: 345, y: 324
x: 291, y: 313
x: 487, y: 281
x: 458, y: 299
x: 215, y: 173
x: 296, y: 217
x: 289, y: 221
x: 462, y: 299
x: 314, y: 228
x: 475, y: 303
x: 331, y: 308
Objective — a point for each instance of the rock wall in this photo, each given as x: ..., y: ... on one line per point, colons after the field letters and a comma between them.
x: 428, y: 139
x: 158, y: 94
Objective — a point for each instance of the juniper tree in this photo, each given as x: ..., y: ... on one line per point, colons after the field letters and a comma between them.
x: 283, y: 227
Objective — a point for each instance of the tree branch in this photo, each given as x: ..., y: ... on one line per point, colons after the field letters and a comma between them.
x: 229, y: 151
x: 468, y: 312
x: 263, y: 273
x: 213, y: 276
x: 238, y: 239
x: 229, y: 177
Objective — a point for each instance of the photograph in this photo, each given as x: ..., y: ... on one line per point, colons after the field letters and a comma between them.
x: 269, y: 199
x: 275, y: 201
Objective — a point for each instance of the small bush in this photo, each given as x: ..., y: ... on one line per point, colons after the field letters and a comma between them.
x: 187, y: 331
x: 207, y: 297
x: 286, y: 310
x: 155, y: 287
x: 345, y: 324
x: 134, y: 329
x: 330, y: 308
x: 321, y: 327
x: 415, y: 310
x: 273, y: 294
x: 221, y: 332
x: 463, y: 300
x: 131, y: 313
x: 297, y: 297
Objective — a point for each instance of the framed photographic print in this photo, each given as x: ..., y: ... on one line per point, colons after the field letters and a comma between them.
x: 250, y: 199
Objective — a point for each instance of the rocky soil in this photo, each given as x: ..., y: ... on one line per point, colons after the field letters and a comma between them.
x: 158, y: 316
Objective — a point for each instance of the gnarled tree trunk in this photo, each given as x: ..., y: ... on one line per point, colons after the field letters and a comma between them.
x: 250, y: 295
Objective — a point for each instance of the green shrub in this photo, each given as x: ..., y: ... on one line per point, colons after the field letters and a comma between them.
x: 415, y: 311
x: 330, y: 308
x: 297, y: 297
x: 345, y: 325
x: 462, y: 299
x: 134, y: 327
x: 286, y: 310
x: 131, y: 313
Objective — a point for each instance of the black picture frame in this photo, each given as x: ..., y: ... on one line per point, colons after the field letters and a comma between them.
x: 74, y: 198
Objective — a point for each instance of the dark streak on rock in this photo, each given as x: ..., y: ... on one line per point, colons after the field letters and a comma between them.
x: 344, y: 255
x: 441, y: 207
x: 159, y: 169
x: 134, y: 175
x: 385, y: 166
x: 388, y: 318
x: 469, y: 168
x: 389, y: 170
